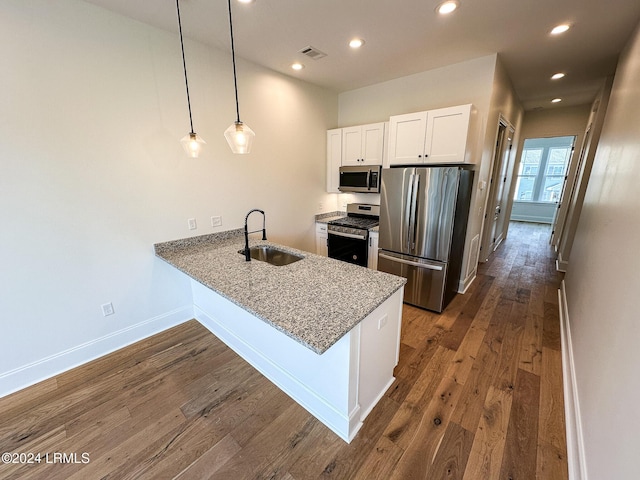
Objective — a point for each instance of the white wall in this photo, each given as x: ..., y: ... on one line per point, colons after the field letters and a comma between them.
x: 602, y: 286
x: 91, y: 113
x: 457, y: 84
x: 504, y: 104
x: 535, y: 212
x: 569, y: 212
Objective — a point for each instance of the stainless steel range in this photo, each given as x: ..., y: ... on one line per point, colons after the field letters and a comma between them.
x: 348, y: 237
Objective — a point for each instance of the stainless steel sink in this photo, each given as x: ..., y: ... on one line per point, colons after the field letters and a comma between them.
x: 271, y: 255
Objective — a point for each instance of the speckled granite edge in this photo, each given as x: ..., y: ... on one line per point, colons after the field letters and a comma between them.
x: 322, y: 216
x: 211, y: 239
x: 314, y: 301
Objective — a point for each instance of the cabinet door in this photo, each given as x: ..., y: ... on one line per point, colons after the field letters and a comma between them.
x: 406, y: 138
x: 363, y: 144
x: 372, y: 259
x: 352, y: 146
x: 321, y: 239
x: 334, y: 159
x: 372, y: 144
x: 446, y: 138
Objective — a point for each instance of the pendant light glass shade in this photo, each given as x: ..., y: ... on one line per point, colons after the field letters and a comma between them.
x: 239, y: 137
x: 192, y: 144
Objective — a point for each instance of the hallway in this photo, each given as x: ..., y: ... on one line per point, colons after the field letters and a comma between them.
x: 478, y: 396
x: 496, y: 353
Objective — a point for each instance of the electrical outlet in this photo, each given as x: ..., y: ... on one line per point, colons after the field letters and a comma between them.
x: 107, y: 309
x: 320, y: 207
x: 192, y: 224
x: 216, y: 221
x: 382, y: 322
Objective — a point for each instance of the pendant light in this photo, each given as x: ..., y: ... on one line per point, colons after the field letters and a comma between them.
x: 239, y: 136
x: 192, y: 142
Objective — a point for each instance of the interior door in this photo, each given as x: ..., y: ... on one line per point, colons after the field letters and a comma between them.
x: 497, y: 230
x: 568, y: 193
x: 494, y: 219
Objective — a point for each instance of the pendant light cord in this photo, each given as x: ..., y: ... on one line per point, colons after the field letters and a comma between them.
x: 233, y: 58
x: 184, y: 66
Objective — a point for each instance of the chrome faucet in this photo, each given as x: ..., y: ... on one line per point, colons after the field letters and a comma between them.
x: 247, y: 252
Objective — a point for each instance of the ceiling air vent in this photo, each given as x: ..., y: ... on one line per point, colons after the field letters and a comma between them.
x: 312, y: 52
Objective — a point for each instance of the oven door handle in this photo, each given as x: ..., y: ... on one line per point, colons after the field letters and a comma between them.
x: 409, y: 262
x: 348, y: 235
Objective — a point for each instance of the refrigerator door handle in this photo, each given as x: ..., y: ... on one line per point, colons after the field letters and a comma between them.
x: 407, y: 213
x: 412, y: 216
x: 409, y: 262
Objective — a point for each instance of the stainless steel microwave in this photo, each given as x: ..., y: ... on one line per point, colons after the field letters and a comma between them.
x: 360, y: 178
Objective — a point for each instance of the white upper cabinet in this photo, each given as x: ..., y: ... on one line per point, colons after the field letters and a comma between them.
x: 406, y: 138
x: 359, y: 145
x: 434, y: 136
x: 363, y: 144
x: 334, y: 159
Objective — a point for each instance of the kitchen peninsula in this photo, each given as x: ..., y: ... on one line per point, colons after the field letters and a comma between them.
x: 326, y: 332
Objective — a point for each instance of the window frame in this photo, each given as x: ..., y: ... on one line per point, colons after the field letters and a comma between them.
x: 546, y: 146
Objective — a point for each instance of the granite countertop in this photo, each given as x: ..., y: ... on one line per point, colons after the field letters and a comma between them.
x: 327, y: 217
x: 315, y: 301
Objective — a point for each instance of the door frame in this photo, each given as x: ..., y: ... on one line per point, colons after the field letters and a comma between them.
x: 502, y: 160
x: 572, y: 178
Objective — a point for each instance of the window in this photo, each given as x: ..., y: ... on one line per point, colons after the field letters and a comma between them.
x: 542, y: 169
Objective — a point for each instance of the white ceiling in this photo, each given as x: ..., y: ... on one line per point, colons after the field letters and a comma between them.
x: 407, y: 36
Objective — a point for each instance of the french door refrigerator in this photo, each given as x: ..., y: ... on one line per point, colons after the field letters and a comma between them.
x: 423, y: 223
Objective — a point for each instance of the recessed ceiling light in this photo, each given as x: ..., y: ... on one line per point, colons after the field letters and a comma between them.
x: 557, y: 76
x: 297, y: 66
x: 447, y: 7
x: 556, y: 100
x: 246, y: 1
x: 560, y: 29
x: 356, y: 43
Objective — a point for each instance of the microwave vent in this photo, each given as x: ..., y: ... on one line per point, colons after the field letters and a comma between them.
x: 313, y: 53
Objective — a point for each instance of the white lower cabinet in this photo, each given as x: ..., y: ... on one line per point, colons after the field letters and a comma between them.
x: 321, y: 239
x: 339, y: 387
x: 372, y: 259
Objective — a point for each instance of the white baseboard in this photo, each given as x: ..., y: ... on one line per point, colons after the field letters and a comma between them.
x: 463, y: 285
x: 279, y: 375
x: 30, y: 374
x: 531, y: 219
x: 561, y: 265
x: 575, y: 442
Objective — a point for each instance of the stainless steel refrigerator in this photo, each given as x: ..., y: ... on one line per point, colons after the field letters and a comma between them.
x: 423, y: 223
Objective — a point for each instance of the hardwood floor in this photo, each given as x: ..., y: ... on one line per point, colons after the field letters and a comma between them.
x: 478, y: 395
